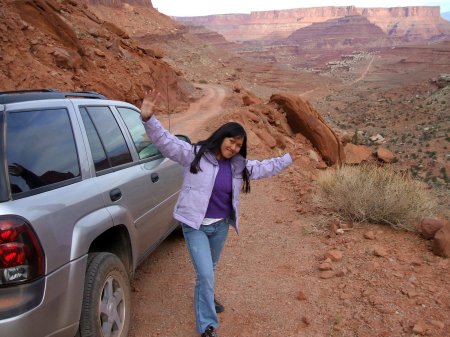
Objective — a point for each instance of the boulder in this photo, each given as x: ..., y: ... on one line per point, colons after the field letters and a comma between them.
x: 430, y: 226
x: 443, y: 80
x: 384, y: 155
x: 356, y: 154
x: 377, y: 139
x: 304, y: 119
x: 441, y: 242
x: 346, y: 138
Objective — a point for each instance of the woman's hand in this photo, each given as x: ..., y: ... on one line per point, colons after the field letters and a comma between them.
x: 295, y: 153
x: 147, y: 105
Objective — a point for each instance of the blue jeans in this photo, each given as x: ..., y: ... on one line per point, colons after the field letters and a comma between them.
x: 205, y: 246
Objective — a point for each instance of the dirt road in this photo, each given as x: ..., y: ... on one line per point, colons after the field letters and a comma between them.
x: 192, y: 121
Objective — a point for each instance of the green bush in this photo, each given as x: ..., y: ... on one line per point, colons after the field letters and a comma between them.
x: 375, y: 194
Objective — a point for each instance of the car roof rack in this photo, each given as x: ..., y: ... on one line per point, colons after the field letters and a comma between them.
x: 40, y: 94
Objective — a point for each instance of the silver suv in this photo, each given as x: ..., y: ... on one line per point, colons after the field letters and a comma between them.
x: 84, y: 198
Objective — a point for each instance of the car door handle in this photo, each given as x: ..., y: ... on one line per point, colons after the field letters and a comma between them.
x: 154, y: 177
x: 115, y: 194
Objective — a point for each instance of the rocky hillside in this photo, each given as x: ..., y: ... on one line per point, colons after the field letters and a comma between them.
x: 64, y: 45
x: 409, y: 24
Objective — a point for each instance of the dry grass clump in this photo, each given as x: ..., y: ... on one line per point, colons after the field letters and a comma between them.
x: 375, y: 194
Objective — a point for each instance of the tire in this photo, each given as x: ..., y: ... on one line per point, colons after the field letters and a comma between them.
x: 106, y: 307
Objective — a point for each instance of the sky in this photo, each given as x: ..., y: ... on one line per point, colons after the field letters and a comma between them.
x: 207, y: 7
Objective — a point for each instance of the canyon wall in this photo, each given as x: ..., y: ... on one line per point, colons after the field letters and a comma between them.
x: 420, y: 22
x: 119, y: 3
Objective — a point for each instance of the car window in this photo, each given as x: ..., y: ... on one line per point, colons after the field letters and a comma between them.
x: 144, y: 147
x: 101, y: 161
x: 107, y: 142
x: 41, y: 149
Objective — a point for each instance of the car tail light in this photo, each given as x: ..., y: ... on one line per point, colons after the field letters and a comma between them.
x: 21, y: 254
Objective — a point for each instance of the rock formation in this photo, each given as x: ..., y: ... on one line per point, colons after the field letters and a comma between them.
x: 70, y: 48
x: 304, y: 119
x: 348, y: 32
x: 407, y: 23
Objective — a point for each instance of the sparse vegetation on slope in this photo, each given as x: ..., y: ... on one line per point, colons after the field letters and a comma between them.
x: 376, y: 194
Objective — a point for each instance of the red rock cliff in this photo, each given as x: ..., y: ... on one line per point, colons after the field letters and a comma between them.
x: 280, y: 24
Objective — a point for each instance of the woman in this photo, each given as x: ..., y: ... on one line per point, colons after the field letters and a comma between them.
x: 215, y: 171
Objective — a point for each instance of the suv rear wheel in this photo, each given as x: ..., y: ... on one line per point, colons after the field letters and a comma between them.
x: 107, y: 298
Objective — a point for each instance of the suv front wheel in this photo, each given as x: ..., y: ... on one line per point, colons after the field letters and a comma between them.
x: 106, y: 304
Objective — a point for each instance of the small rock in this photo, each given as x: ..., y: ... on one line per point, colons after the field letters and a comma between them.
x: 419, y: 328
x: 398, y: 275
x: 370, y: 235
x: 416, y: 263
x: 371, y: 266
x: 325, y: 266
x: 334, y: 255
x: 438, y: 324
x: 342, y: 273
x: 334, y: 227
x: 380, y: 251
x: 306, y: 320
x: 412, y: 293
x: 301, y: 296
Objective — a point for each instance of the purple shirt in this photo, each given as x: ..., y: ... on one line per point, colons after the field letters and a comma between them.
x: 220, y: 202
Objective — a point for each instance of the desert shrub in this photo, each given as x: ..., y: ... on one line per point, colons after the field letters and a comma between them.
x: 375, y: 194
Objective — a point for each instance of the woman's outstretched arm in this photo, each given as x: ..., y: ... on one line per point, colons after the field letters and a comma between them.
x: 269, y: 167
x: 169, y: 145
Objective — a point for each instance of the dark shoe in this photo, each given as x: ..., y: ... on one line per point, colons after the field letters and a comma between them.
x: 210, y: 332
x: 219, y: 307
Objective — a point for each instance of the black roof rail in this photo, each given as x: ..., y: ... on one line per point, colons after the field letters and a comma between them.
x: 41, y: 94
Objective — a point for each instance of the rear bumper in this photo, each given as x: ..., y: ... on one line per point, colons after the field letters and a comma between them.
x: 55, y: 310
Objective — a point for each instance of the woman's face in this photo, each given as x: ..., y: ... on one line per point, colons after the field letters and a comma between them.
x: 230, y: 147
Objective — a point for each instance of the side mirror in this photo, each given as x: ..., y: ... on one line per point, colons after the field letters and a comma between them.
x: 184, y: 138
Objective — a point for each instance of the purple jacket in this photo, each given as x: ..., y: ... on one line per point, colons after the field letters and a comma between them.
x: 196, y: 189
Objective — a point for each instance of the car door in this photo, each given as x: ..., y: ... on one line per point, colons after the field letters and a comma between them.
x: 138, y: 184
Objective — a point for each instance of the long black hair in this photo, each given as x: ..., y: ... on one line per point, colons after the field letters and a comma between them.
x: 213, y: 143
